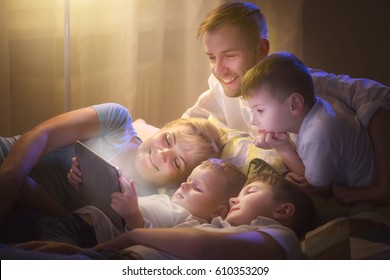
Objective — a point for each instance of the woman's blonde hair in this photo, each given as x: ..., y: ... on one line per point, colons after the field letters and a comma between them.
x: 201, y: 137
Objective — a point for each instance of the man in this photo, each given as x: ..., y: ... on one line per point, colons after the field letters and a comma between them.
x: 235, y: 38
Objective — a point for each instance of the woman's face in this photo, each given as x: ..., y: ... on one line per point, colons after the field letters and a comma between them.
x: 163, y: 159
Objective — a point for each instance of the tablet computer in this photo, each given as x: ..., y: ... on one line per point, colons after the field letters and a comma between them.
x: 100, y: 180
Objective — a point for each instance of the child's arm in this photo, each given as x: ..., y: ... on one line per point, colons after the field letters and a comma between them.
x: 192, y: 243
x: 126, y: 205
x: 283, y: 145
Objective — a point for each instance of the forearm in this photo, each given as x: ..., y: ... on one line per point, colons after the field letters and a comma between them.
x: 135, y: 221
x: 291, y: 159
x: 191, y: 243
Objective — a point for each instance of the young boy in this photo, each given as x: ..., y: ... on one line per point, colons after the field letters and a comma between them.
x: 331, y: 146
x: 203, y: 196
x: 264, y: 222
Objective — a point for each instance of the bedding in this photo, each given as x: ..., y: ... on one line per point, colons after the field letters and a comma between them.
x: 365, y: 235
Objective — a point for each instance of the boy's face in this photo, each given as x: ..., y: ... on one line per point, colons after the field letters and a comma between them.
x: 202, y: 193
x: 230, y: 56
x: 255, y: 199
x: 268, y: 113
x: 163, y: 159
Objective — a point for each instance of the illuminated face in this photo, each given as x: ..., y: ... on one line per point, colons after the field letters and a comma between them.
x: 255, y: 199
x: 201, y: 193
x: 268, y: 113
x: 230, y: 56
x: 163, y: 159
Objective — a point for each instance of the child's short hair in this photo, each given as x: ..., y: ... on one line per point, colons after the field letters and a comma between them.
x: 287, y: 191
x: 232, y: 175
x: 282, y: 74
x: 201, y: 136
x: 246, y: 16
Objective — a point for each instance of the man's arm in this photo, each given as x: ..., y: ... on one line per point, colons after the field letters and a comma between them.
x: 192, y: 243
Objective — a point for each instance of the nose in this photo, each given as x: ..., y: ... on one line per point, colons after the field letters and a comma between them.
x: 219, y: 67
x: 253, y: 119
x: 165, y: 154
x: 184, y: 186
x: 233, y: 201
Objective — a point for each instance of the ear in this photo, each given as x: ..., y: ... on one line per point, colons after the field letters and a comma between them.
x: 262, y: 49
x: 284, y: 211
x: 222, y: 211
x: 296, y: 104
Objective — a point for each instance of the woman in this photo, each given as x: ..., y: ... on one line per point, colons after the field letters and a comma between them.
x: 45, y: 153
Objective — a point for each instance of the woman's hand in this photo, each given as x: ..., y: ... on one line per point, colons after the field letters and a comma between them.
x: 75, y: 175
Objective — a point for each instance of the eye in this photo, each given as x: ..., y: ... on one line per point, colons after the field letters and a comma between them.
x: 250, y: 191
x: 196, y: 188
x: 167, y: 140
x: 259, y: 111
x: 211, y: 58
x: 176, y: 163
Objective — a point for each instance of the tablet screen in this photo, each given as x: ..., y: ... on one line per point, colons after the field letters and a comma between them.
x: 100, y: 180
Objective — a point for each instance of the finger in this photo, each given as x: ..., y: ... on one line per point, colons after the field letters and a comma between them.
x: 74, y: 176
x: 125, y: 185
x: 75, y: 161
x: 133, y: 187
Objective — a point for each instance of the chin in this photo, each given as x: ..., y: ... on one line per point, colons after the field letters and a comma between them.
x: 232, y: 93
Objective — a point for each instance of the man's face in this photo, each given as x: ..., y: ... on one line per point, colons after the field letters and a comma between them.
x: 230, y: 56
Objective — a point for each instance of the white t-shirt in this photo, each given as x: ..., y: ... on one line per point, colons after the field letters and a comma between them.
x: 334, y: 147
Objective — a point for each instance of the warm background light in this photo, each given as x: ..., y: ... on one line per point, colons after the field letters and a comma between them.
x: 144, y: 53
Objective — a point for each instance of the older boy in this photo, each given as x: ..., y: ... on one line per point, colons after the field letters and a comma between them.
x: 331, y: 146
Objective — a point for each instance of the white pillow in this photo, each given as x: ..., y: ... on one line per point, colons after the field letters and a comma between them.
x: 144, y: 130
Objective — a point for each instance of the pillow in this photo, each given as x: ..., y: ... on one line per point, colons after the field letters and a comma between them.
x: 240, y: 150
x: 144, y: 130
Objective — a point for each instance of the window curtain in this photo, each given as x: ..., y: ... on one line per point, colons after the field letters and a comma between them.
x: 142, y: 54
